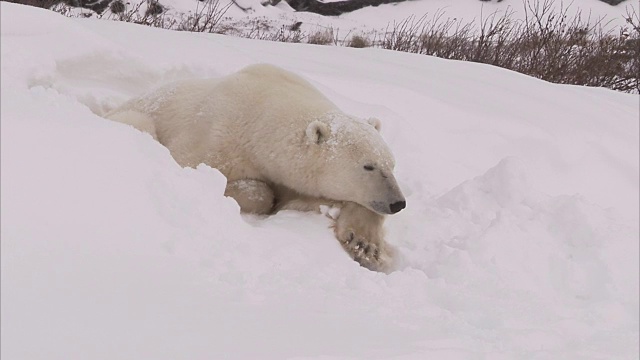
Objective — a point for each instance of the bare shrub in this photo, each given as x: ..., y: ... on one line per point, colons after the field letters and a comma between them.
x: 117, y: 7
x: 404, y: 36
x: 206, y: 18
x: 359, y: 41
x: 631, y: 48
x: 446, y: 38
x: 154, y: 8
x: 548, y: 44
x: 324, y: 37
x: 262, y: 30
x: 145, y: 12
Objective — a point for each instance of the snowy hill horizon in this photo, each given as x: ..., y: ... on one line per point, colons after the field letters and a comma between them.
x: 241, y: 13
x: 520, y: 239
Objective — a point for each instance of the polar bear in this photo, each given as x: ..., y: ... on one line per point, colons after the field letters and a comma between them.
x: 282, y: 146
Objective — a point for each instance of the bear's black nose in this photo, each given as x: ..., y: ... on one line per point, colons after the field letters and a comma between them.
x: 397, y: 206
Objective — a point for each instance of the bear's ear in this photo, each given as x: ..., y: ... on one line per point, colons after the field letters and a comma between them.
x: 375, y: 123
x: 317, y: 132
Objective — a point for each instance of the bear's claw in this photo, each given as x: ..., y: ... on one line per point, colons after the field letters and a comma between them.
x: 375, y: 257
x: 360, y: 233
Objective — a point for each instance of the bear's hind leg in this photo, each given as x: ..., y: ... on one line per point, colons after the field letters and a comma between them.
x: 253, y: 196
x: 360, y: 233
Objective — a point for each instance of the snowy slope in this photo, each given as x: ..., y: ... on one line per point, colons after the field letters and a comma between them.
x: 520, y: 239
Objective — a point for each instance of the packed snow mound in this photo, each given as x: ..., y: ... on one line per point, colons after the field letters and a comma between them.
x: 496, y: 227
x: 520, y: 239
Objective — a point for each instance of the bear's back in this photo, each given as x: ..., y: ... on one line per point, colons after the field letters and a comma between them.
x: 274, y: 89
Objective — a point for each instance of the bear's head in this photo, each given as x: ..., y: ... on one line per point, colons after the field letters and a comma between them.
x: 353, y: 163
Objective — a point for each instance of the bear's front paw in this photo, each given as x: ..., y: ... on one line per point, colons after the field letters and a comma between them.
x: 369, y: 254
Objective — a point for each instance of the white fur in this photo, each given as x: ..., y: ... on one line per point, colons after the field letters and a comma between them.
x: 272, y: 128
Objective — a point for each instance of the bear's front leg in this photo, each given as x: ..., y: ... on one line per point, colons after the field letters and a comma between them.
x: 253, y: 196
x: 360, y: 233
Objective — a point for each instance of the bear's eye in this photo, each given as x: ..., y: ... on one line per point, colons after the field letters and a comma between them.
x: 369, y: 167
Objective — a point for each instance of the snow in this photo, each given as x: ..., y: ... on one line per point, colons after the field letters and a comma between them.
x: 519, y: 240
